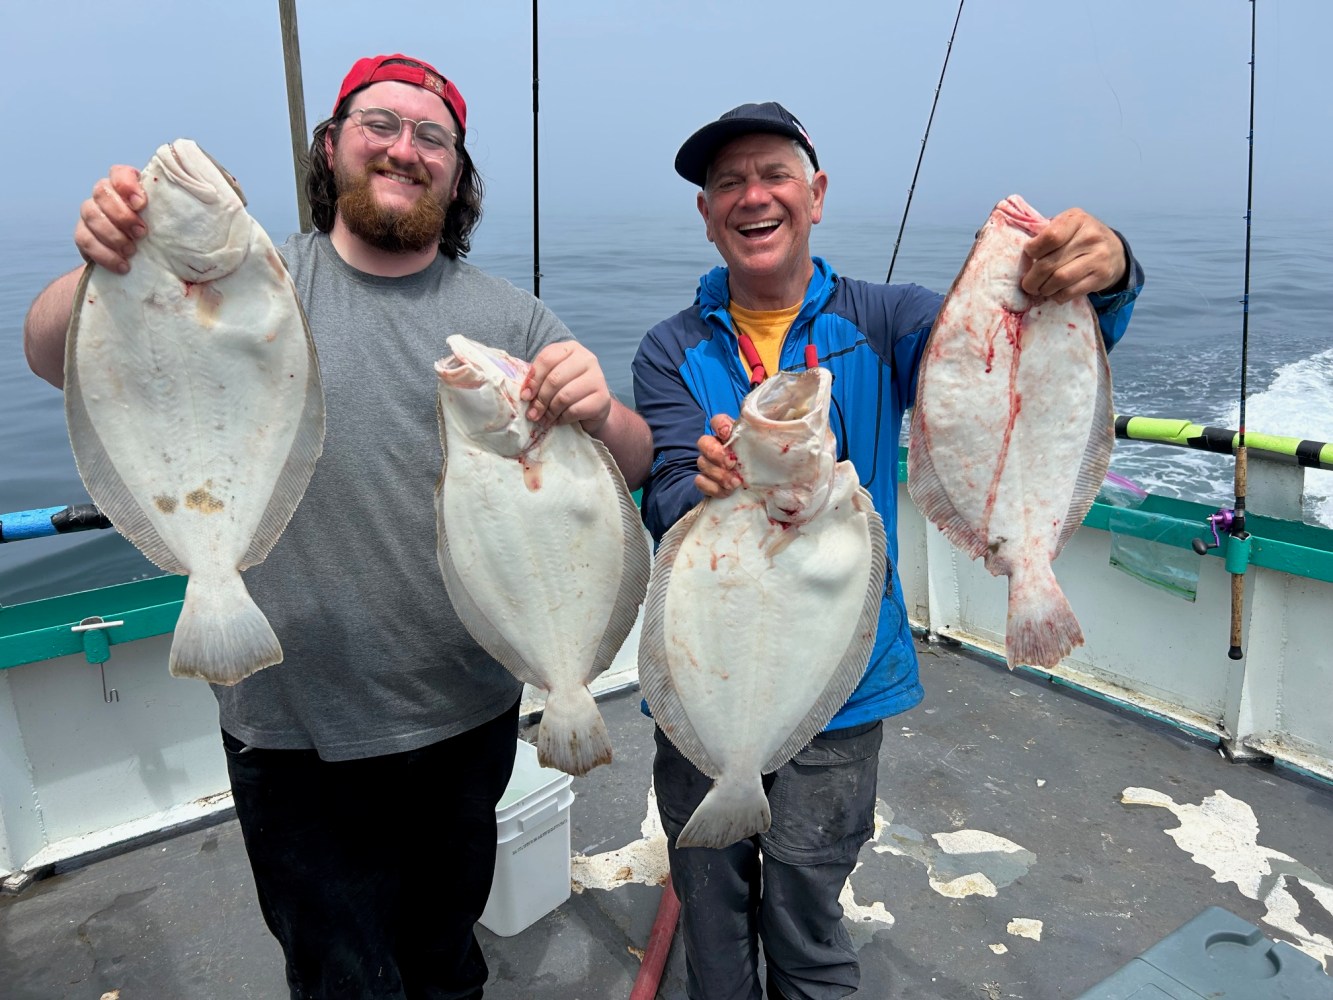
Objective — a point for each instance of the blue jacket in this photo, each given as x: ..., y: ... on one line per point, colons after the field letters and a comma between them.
x: 871, y: 337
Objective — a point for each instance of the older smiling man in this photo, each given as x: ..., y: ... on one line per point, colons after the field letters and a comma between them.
x: 774, y: 306
x: 366, y: 767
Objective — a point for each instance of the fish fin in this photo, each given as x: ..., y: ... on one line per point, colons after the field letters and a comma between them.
x: 636, y: 569
x: 477, y: 623
x: 852, y: 666
x: 1042, y: 629
x: 654, y: 672
x: 98, y: 472
x: 71, y: 331
x: 306, y: 447
x: 1097, y: 456
x: 929, y: 495
x: 728, y: 813
x: 221, y: 636
x: 572, y: 735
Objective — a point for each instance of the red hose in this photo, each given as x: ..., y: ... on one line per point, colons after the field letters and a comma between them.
x: 659, y: 945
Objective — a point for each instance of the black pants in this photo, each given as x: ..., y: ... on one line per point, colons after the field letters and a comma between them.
x: 372, y: 873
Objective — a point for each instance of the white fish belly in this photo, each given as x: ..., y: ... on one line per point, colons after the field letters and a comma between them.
x: 196, y: 394
x: 545, y: 564
x: 1007, y: 409
x: 756, y: 620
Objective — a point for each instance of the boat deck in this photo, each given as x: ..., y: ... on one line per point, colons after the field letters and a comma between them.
x: 1008, y: 864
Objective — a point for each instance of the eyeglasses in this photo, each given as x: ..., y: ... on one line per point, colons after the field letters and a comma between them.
x: 382, y: 127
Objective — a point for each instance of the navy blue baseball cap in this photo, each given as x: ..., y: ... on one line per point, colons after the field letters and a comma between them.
x: 696, y: 155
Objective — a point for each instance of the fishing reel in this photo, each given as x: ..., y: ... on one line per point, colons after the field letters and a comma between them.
x: 1222, y: 520
x: 1237, y: 558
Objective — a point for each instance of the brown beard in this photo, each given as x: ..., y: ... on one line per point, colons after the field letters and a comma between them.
x: 393, y: 231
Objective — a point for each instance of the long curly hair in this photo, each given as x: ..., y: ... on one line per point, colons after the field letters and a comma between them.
x: 322, y: 189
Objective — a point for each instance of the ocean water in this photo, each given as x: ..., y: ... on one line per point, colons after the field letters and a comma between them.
x: 610, y: 279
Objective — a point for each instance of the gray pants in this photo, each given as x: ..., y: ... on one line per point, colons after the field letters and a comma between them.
x: 780, y: 888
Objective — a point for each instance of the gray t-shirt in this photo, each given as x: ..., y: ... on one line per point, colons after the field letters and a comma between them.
x: 375, y: 659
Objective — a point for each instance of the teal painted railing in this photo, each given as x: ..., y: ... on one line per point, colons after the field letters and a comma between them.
x: 40, y: 630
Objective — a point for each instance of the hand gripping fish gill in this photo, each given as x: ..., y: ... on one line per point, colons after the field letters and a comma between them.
x: 763, y: 606
x: 540, y: 545
x: 194, y: 406
x: 1012, y: 429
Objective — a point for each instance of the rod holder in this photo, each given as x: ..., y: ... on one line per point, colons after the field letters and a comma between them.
x: 1238, y: 553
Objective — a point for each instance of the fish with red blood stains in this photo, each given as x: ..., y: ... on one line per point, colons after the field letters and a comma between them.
x: 1012, y: 429
x: 763, y: 606
x: 540, y: 545
x: 194, y: 404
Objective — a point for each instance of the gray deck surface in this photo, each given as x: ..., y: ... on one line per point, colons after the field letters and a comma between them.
x: 988, y: 755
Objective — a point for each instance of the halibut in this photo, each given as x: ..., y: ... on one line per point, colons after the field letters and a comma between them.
x: 194, y: 406
x: 540, y: 545
x: 763, y: 606
x: 1012, y: 429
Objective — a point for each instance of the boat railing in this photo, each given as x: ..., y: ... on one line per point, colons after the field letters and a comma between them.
x: 110, y: 754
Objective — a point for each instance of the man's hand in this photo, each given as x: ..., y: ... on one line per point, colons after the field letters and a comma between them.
x: 566, y: 385
x: 109, y: 221
x: 1074, y: 255
x: 717, y: 477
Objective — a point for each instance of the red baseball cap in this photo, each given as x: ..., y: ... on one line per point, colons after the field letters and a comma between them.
x: 373, y: 69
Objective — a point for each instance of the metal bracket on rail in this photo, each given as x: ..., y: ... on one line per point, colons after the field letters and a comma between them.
x: 97, y: 649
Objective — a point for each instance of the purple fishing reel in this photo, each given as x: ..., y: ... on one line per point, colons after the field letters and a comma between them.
x: 1222, y: 520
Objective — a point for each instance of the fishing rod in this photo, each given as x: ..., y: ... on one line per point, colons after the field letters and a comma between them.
x: 536, y: 217
x: 1233, y: 521
x: 879, y: 399
x: 922, y: 154
x: 47, y: 521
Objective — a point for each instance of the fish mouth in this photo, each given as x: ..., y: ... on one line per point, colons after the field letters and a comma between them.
x: 458, y: 372
x: 227, y: 174
x: 788, y: 405
x: 789, y: 397
x: 481, y: 358
x: 1021, y: 215
x: 178, y: 170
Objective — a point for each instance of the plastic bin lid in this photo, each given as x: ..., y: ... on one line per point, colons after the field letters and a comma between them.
x: 530, y: 782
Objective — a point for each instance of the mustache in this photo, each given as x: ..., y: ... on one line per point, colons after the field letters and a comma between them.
x: 407, y: 171
x: 417, y: 173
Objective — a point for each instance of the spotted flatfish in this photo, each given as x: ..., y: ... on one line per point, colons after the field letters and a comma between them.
x: 193, y: 402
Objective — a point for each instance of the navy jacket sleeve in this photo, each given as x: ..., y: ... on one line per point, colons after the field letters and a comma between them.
x: 678, y: 421
x: 1113, y: 310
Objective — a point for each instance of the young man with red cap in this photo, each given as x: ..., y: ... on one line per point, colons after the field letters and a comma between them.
x: 367, y: 766
x: 773, y: 307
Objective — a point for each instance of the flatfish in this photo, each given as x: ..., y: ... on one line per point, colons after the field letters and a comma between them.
x: 1013, y: 429
x: 763, y: 606
x: 540, y: 545
x: 193, y: 401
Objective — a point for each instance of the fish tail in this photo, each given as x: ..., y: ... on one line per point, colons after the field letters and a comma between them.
x: 221, y: 636
x: 1042, y: 629
x: 572, y: 736
x: 731, y: 811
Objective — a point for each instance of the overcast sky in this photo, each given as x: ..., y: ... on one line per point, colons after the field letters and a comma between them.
x: 1109, y: 105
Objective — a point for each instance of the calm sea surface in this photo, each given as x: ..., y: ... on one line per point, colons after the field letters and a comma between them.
x: 610, y: 279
